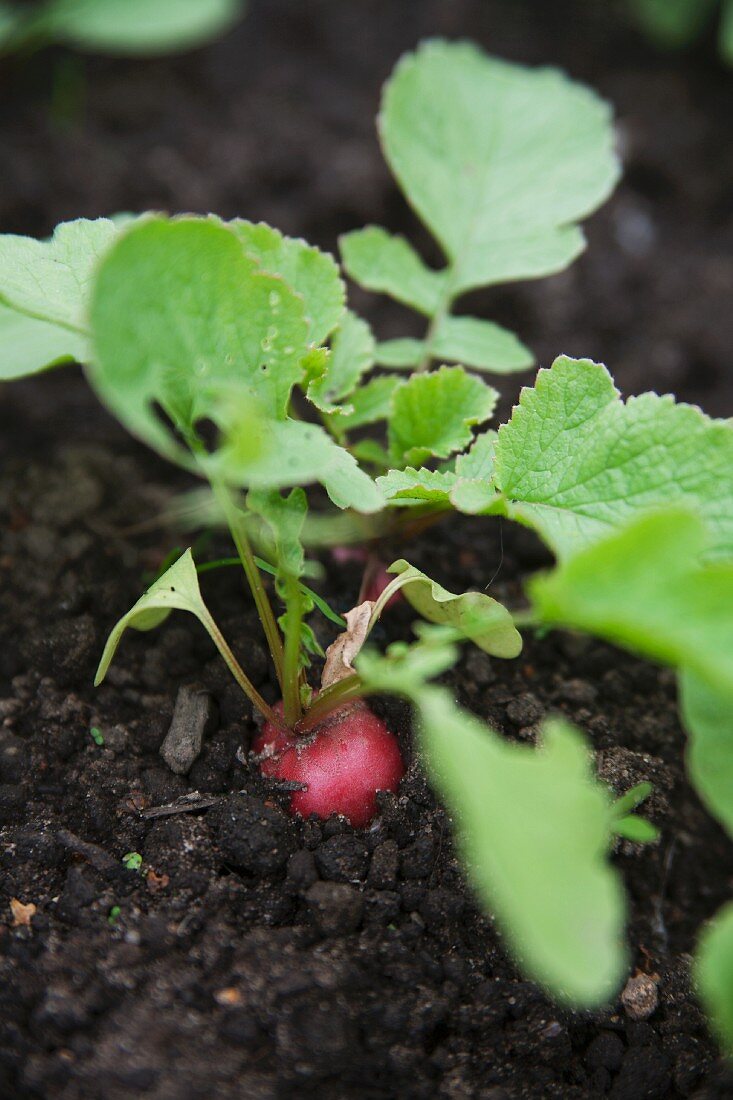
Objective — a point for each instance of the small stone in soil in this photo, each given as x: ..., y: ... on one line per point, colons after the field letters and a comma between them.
x: 640, y: 997
x: 195, y: 716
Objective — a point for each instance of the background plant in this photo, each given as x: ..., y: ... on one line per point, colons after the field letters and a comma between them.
x: 115, y: 26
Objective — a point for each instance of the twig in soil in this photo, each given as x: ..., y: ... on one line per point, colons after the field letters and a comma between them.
x: 92, y: 853
x: 185, y: 804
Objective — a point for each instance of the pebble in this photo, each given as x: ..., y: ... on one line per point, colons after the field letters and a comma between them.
x: 640, y: 996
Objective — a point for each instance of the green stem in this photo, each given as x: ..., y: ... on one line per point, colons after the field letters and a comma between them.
x: 292, y: 709
x: 239, y: 674
x: 235, y: 521
x: 445, y: 303
x: 343, y: 691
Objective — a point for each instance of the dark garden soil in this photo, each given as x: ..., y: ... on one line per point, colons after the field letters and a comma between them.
x: 253, y: 956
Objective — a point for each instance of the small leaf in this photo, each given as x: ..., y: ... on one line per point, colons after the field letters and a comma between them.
x: 713, y: 974
x: 644, y: 588
x: 283, y: 519
x: 308, y: 271
x: 414, y: 487
x: 479, y: 344
x: 637, y: 829
x: 389, y: 265
x: 575, y: 462
x: 352, y: 355
x: 178, y: 589
x: 500, y: 161
x: 370, y: 403
x: 478, y: 617
x: 138, y: 27
x: 707, y: 714
x: 432, y: 414
x: 633, y: 798
x: 278, y: 454
x: 342, y: 652
x: 400, y: 354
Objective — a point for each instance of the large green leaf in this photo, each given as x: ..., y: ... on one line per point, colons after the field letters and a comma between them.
x: 138, y: 26
x: 478, y: 617
x: 707, y: 713
x: 644, y: 587
x: 182, y: 317
x: 575, y: 461
x: 714, y: 974
x: 499, y: 161
x: 432, y: 414
x: 389, y: 264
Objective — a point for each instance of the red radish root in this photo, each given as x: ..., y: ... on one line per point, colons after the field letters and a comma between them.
x: 342, y: 762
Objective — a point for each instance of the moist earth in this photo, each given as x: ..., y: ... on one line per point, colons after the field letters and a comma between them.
x: 253, y: 955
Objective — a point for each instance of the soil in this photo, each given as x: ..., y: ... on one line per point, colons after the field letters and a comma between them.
x: 252, y: 955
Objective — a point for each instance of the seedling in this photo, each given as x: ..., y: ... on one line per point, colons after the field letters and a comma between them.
x: 136, y: 27
x: 218, y: 344
x: 133, y: 861
x: 97, y: 736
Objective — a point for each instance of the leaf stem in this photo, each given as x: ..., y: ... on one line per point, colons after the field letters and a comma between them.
x: 292, y: 709
x: 343, y: 691
x: 445, y: 303
x: 239, y: 674
x: 235, y: 521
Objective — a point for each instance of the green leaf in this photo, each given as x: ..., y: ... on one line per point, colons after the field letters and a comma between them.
x: 644, y: 588
x: 707, y: 714
x: 575, y: 461
x: 467, y: 486
x: 500, y: 161
x: 479, y: 344
x: 29, y: 346
x: 352, y: 355
x: 271, y: 454
x: 636, y: 828
x: 413, y: 487
x: 177, y: 589
x: 50, y: 281
x: 183, y: 317
x: 478, y: 617
x: 308, y: 271
x: 283, y: 519
x: 633, y: 798
x: 432, y: 414
x: 370, y: 403
x: 390, y: 265
x: 138, y: 26
x: 714, y: 974
x: 400, y: 354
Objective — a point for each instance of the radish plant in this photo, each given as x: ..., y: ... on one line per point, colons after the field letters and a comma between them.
x: 220, y: 344
x: 137, y: 27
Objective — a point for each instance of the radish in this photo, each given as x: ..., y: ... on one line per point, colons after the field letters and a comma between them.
x: 342, y: 763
